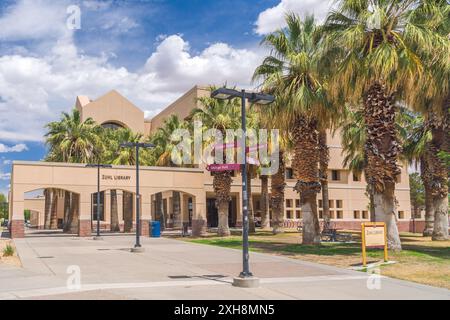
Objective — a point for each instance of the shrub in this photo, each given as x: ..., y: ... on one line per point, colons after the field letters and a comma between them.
x: 8, y: 251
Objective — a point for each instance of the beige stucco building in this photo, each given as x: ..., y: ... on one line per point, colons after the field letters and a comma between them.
x: 193, y: 187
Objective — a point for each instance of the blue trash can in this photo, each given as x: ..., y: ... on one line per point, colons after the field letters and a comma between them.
x: 156, y: 229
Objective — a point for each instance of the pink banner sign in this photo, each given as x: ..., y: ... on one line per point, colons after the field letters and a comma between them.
x: 223, y: 167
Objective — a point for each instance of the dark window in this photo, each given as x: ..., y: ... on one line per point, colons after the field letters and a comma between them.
x: 289, y: 173
x: 112, y: 125
x: 356, y: 177
x: 335, y: 175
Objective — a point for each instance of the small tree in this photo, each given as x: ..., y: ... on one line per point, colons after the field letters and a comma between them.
x: 417, y: 193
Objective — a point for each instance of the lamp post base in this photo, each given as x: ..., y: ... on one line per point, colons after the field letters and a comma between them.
x: 97, y: 238
x: 247, y: 282
x: 137, y: 249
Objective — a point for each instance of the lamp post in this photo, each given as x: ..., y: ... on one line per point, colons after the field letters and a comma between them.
x: 245, y: 278
x: 98, y: 166
x: 137, y: 146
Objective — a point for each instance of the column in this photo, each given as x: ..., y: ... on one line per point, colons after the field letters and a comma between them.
x: 120, y: 208
x: 146, y: 214
x: 84, y: 223
x: 17, y: 221
x: 199, y: 215
x: 107, y: 210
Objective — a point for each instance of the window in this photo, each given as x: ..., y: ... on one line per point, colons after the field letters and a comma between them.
x: 289, y: 214
x: 332, y: 215
x: 356, y: 177
x: 401, y: 214
x: 330, y: 203
x: 320, y: 214
x: 112, y: 125
x: 365, y: 215
x: 356, y: 214
x: 340, y: 214
x: 289, y: 173
x: 320, y: 204
x: 298, y: 214
x: 335, y: 175
x: 288, y: 203
x: 297, y: 203
x: 339, y: 204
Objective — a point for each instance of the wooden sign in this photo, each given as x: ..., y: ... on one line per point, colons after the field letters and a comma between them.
x: 373, y: 235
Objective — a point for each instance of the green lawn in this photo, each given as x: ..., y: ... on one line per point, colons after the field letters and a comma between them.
x: 421, y: 260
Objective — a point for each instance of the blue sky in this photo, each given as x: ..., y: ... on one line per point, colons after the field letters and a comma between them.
x: 151, y: 51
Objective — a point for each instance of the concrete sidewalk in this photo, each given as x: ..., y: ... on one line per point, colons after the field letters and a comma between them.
x: 171, y: 269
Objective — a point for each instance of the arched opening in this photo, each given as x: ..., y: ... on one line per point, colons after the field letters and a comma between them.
x: 173, y: 209
x: 114, y: 125
x: 51, y: 211
x: 117, y: 211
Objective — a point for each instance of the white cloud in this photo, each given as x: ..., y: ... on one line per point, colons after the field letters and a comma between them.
x: 17, y: 148
x: 5, y: 176
x: 35, y: 90
x: 38, y: 82
x: 7, y: 162
x: 273, y: 18
x: 34, y: 19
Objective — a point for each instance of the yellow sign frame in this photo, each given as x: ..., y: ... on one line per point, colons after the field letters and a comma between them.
x: 365, y: 225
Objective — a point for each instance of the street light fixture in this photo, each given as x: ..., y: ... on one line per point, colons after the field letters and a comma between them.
x: 137, y: 146
x: 98, y: 166
x: 245, y: 278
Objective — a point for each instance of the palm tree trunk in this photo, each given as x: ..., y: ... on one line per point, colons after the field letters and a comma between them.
x: 115, y: 226
x: 382, y: 151
x: 54, y: 211
x: 251, y: 213
x: 305, y: 164
x: 429, y: 209
x: 277, y: 196
x: 222, y: 188
x: 177, y: 209
x: 74, y: 212
x: 67, y: 217
x: 48, y: 207
x: 265, y: 222
x: 323, y: 174
x: 439, y: 172
x: 160, y: 210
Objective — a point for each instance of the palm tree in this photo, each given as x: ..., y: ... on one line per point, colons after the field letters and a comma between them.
x: 278, y: 184
x: 72, y: 140
x: 116, y: 155
x: 416, y: 137
x: 294, y: 70
x: 434, y: 102
x: 163, y: 152
x: 379, y: 63
x: 265, y: 221
x: 220, y: 115
x: 324, y: 159
x: 353, y: 139
x: 162, y: 139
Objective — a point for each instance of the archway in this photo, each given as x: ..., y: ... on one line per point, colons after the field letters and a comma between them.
x: 117, y: 211
x: 174, y: 209
x: 51, y: 211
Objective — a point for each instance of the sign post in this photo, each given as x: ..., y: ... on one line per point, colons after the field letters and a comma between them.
x: 373, y: 235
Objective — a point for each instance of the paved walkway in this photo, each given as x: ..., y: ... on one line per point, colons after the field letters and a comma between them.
x: 171, y: 269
